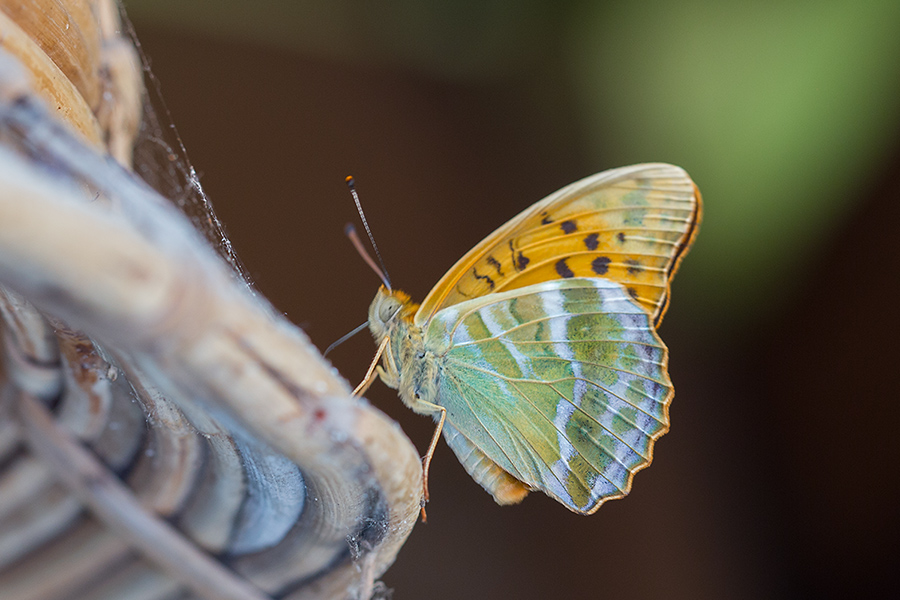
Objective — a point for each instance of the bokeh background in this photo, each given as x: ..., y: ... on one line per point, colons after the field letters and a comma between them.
x: 779, y: 476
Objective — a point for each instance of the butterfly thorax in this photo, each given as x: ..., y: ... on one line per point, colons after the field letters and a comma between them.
x: 407, y: 365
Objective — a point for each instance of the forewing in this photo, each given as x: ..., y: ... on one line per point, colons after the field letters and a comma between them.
x: 562, y: 384
x: 631, y: 225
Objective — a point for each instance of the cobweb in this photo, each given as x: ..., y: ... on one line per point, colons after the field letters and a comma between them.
x: 161, y: 160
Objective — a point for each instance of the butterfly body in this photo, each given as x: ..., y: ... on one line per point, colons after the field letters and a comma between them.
x: 408, y: 366
x: 538, y: 349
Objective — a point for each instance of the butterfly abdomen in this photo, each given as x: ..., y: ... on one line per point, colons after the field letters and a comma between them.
x: 505, y: 488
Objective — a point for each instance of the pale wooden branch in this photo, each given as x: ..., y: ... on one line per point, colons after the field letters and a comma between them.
x: 114, y: 504
x: 150, y: 384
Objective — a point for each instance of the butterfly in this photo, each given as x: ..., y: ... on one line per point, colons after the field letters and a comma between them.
x: 537, y: 352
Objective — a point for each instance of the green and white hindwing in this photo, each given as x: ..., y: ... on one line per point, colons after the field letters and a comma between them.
x: 562, y: 384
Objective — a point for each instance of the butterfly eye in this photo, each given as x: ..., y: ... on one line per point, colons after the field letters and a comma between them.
x: 389, y: 310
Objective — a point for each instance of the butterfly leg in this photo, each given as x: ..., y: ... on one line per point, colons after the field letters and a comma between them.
x: 426, y: 462
x: 370, y: 374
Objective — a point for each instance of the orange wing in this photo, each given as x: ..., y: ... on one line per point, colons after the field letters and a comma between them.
x: 632, y: 225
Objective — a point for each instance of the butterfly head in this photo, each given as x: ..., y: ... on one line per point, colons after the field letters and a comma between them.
x: 389, y: 308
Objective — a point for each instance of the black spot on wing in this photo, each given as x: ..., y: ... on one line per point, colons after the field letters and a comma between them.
x: 621, y: 237
x: 634, y: 266
x: 632, y: 292
x: 591, y: 241
x: 563, y: 269
x: 568, y: 226
x: 490, y: 281
x: 600, y: 265
x: 522, y: 262
x: 545, y: 218
x: 496, y: 264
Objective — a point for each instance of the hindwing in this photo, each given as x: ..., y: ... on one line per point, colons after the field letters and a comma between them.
x: 562, y: 384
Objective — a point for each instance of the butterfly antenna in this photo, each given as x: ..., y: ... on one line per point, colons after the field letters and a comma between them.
x: 344, y: 338
x: 351, y: 233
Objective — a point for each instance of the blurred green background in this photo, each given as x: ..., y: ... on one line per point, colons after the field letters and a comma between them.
x: 778, y: 479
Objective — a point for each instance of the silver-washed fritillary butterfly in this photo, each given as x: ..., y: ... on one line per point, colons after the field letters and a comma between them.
x: 537, y: 352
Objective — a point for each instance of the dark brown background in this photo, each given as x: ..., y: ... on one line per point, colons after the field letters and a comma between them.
x: 779, y: 476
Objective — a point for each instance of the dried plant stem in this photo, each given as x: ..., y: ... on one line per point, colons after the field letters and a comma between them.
x: 198, y: 425
x: 115, y: 505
